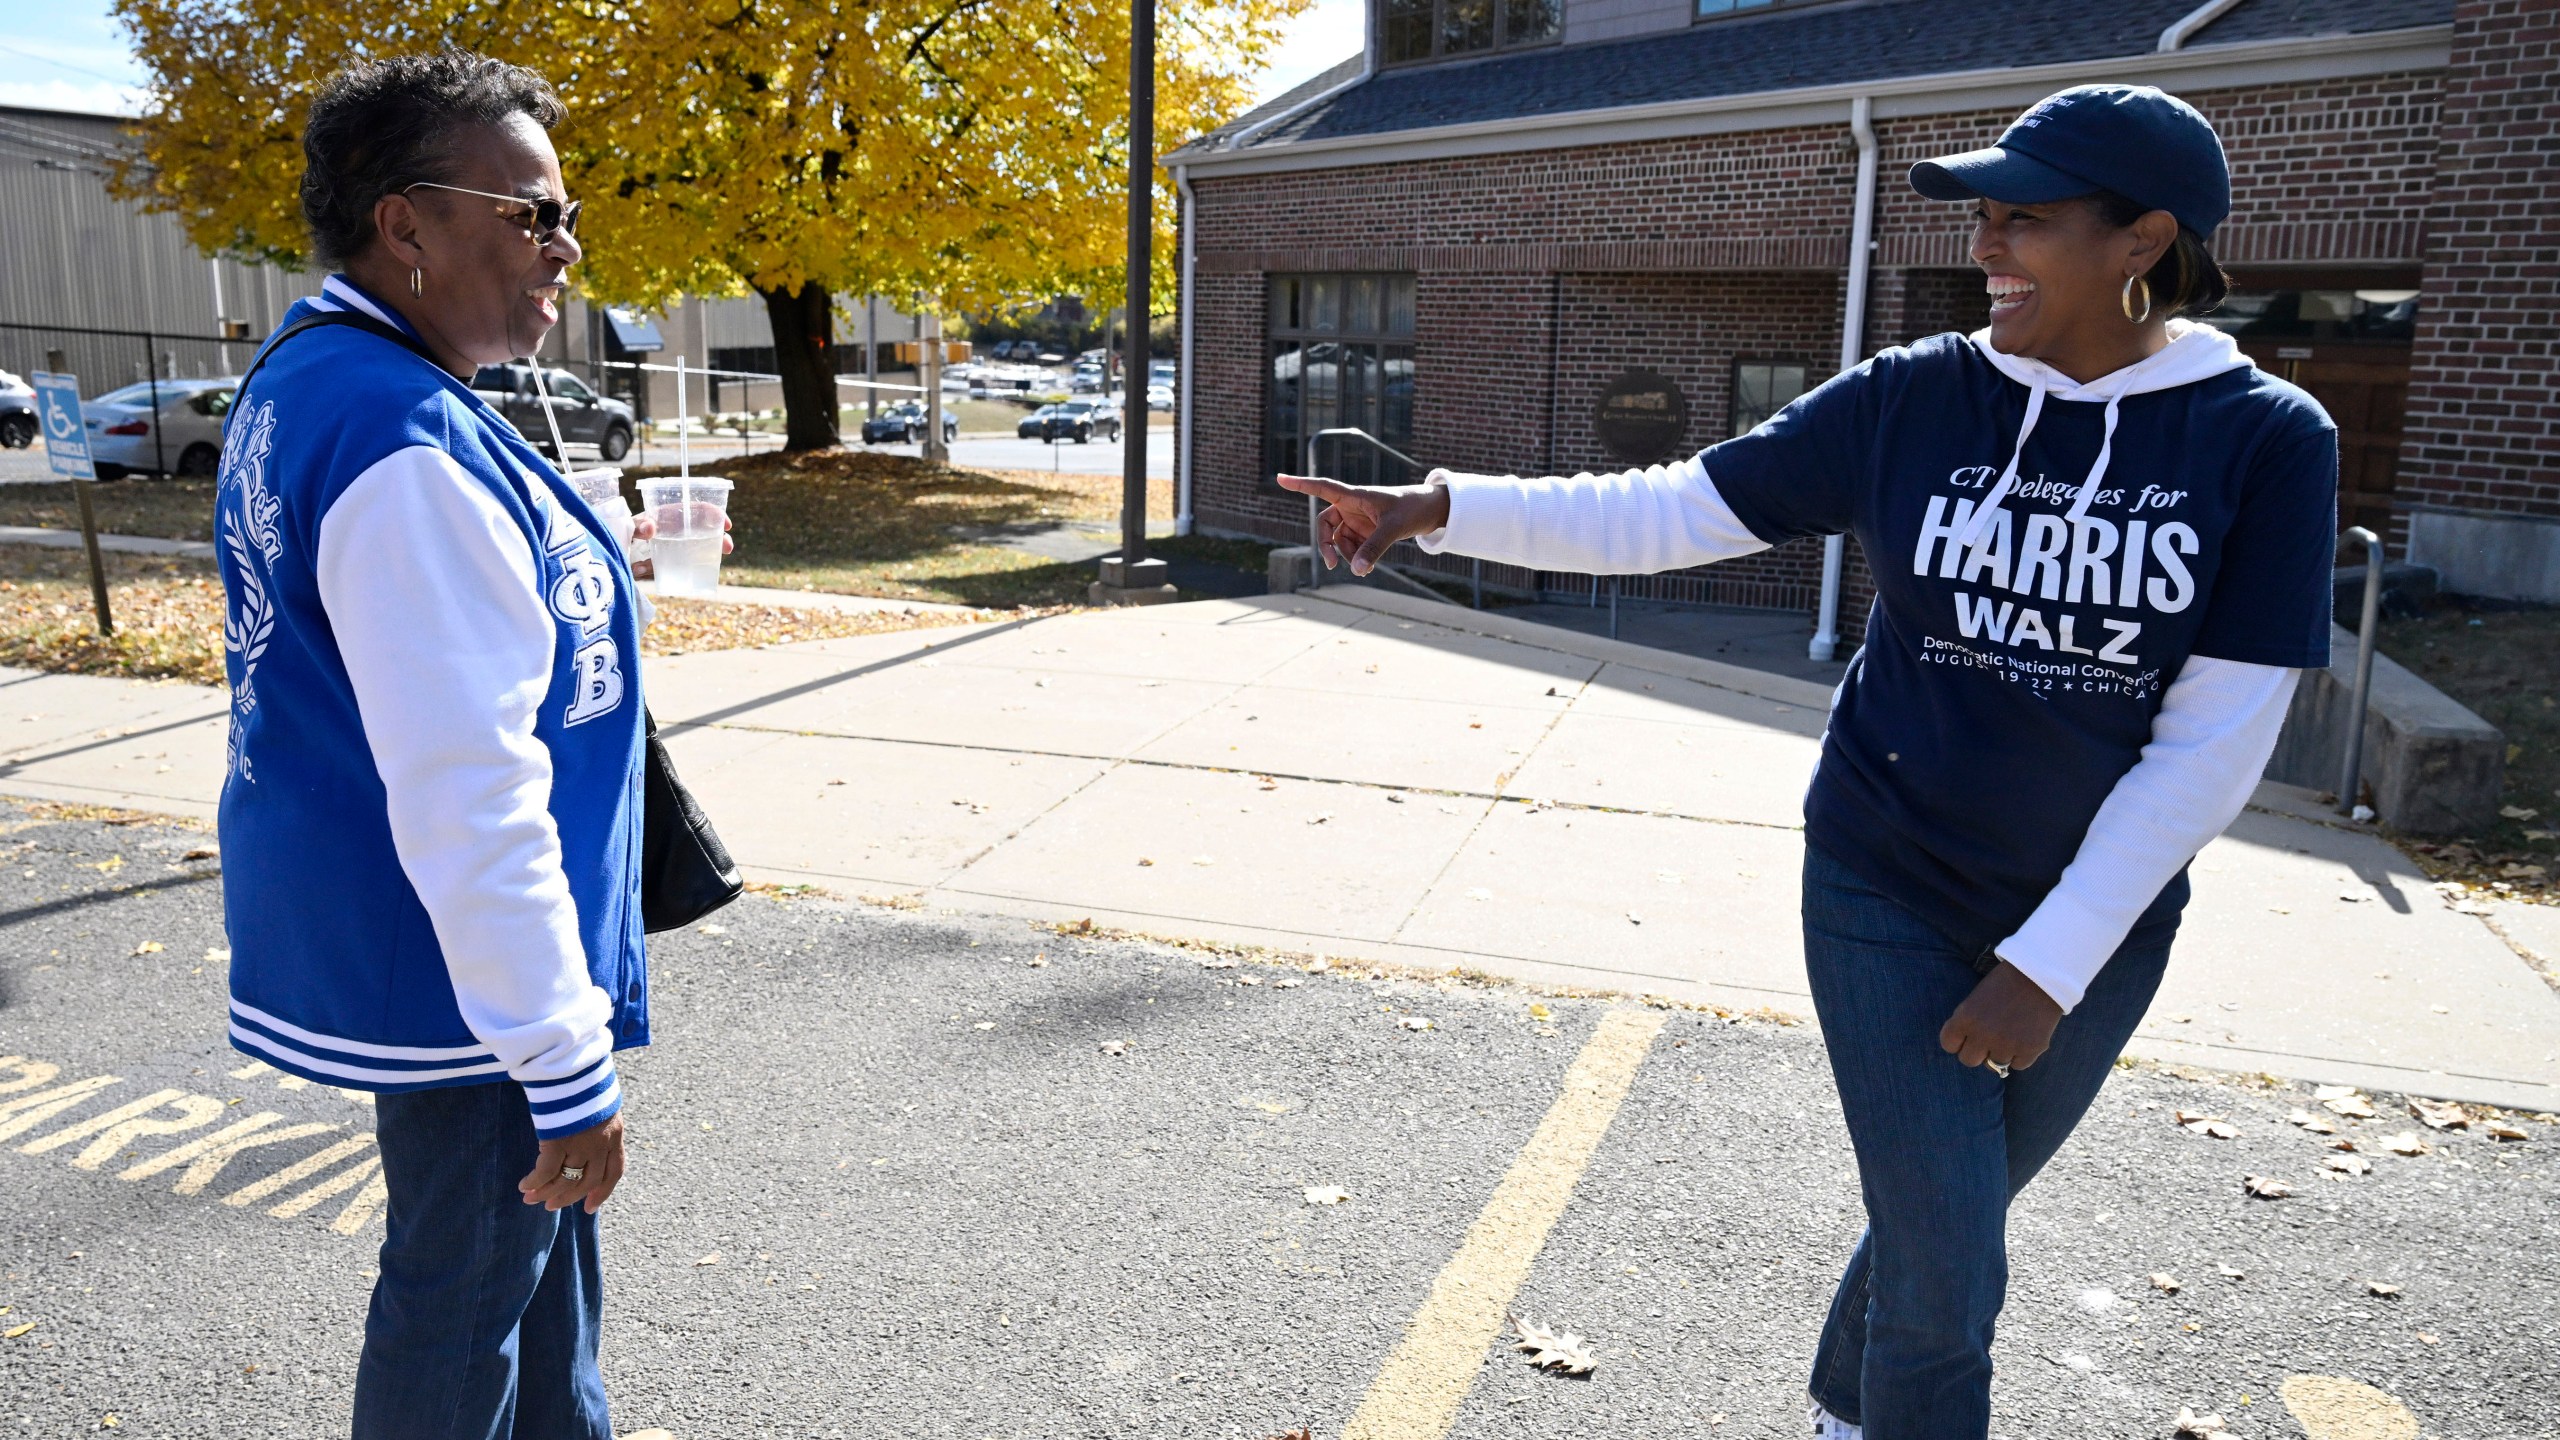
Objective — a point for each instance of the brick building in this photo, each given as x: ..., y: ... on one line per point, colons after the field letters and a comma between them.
x: 1466, y: 238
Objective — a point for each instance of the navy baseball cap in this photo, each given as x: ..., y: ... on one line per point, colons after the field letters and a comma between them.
x: 2146, y: 145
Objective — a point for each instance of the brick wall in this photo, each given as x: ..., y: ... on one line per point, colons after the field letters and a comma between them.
x: 2484, y: 397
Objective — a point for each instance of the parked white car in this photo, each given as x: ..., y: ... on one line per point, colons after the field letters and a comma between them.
x: 1160, y: 397
x: 184, y: 437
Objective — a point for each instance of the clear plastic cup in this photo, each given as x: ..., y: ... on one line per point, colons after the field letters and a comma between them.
x: 601, y: 488
x: 692, y: 516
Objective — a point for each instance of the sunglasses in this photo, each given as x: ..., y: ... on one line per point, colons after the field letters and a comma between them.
x: 542, y: 219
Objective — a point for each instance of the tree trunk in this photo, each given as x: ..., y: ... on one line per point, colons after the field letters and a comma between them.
x: 804, y: 353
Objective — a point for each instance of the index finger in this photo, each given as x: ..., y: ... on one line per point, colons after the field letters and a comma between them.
x: 1318, y: 486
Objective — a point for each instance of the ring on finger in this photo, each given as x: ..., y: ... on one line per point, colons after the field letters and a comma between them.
x: 1997, y: 1068
x: 573, y: 1172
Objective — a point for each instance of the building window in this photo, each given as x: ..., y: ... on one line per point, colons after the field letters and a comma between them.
x: 1762, y: 388
x: 1710, y: 9
x: 1341, y: 350
x: 1423, y: 29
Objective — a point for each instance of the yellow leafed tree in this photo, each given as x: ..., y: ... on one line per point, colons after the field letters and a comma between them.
x: 970, y: 152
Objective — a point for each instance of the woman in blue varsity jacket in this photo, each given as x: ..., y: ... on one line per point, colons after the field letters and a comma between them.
x: 2102, y: 546
x: 431, y: 821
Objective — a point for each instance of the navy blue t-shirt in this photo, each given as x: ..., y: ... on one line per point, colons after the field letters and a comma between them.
x: 2002, y: 691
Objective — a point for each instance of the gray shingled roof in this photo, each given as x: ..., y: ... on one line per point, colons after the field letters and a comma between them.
x: 1787, y: 49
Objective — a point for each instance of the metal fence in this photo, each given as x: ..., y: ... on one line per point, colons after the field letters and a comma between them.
x: 109, y: 360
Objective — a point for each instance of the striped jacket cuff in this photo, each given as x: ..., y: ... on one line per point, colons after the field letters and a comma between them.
x: 581, y: 1101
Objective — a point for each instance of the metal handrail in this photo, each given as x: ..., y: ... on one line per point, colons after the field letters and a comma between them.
x: 2350, y: 770
x: 1315, y: 507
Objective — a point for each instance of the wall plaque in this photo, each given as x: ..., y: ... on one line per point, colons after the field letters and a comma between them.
x: 1641, y: 417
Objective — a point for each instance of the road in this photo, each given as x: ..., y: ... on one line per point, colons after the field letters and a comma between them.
x: 889, y: 1181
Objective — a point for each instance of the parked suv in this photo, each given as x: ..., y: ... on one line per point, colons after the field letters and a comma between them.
x: 585, y: 417
x: 903, y: 423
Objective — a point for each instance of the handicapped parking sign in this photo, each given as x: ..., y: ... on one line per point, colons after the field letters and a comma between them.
x: 66, y: 435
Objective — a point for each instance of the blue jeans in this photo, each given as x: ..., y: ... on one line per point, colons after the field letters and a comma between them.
x: 483, y: 1324
x: 1941, y: 1149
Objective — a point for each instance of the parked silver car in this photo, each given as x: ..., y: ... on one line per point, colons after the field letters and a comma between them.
x: 183, y: 436
x: 17, y: 412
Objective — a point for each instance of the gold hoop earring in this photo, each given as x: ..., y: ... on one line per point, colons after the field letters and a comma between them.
x: 2126, y: 299
x: 416, y: 283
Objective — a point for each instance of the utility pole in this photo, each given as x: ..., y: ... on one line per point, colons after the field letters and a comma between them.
x: 1130, y: 577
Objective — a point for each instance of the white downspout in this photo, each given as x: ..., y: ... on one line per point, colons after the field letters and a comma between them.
x: 1183, y: 381
x: 2186, y: 26
x: 1853, y: 333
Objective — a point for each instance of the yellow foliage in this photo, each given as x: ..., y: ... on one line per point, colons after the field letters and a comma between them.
x: 972, y: 151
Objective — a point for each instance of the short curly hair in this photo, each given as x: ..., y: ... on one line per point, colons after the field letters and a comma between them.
x: 380, y: 127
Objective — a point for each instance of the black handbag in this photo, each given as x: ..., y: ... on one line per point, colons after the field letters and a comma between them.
x: 685, y: 872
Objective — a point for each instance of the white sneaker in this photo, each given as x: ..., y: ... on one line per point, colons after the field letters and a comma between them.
x: 1827, y: 1426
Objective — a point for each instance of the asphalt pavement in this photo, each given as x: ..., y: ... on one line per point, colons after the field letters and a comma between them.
x: 891, y: 1178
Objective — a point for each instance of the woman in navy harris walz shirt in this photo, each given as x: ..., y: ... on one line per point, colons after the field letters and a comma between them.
x: 2102, y: 544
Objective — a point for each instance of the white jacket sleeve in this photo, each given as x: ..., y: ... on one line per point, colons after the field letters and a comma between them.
x: 436, y: 602
x: 1628, y: 522
x: 2209, y: 745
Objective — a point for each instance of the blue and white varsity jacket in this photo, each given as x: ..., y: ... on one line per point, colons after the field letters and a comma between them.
x: 431, y: 821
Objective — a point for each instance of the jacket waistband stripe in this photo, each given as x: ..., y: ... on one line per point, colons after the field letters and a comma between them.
x: 287, y: 1030
x: 269, y: 1045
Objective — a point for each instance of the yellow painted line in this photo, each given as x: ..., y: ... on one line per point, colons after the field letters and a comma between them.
x: 1417, y: 1394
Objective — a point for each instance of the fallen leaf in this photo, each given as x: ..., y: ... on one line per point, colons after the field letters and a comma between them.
x: 2518, y: 812
x: 1539, y: 1011
x: 2192, y: 1426
x: 1326, y: 1195
x: 1143, y: 860
x: 711, y: 1259
x: 708, y: 928
x: 1320, y: 817
x: 2444, y: 1115
x: 2348, y: 1164
x: 2354, y: 1107
x: 2501, y: 1130
x: 1567, y: 1354
x: 1268, y: 783
x: 984, y: 1025
x: 2311, y: 1122
x: 1220, y: 962
x: 1037, y: 962
x: 1290, y: 983
x: 201, y: 855
x: 1634, y: 919
x: 2405, y: 1143
x: 1204, y: 860
x: 2426, y: 1339
x: 149, y: 947
x: 2382, y: 1291
x: 2227, y: 1273
x: 1114, y: 1047
x: 14, y: 1331
x: 2333, y: 1092
x: 2164, y: 1282
x: 1414, y: 1022
x: 2212, y: 1125
x: 2265, y: 1187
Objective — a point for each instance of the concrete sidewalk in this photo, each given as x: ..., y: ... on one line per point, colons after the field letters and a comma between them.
x: 1368, y: 775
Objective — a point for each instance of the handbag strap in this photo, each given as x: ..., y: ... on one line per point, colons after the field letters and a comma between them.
x: 350, y: 319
